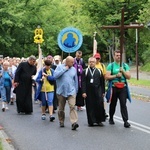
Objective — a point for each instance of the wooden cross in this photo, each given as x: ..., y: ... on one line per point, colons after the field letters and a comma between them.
x: 122, y: 27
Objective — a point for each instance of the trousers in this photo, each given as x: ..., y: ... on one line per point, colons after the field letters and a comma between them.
x: 61, y: 111
x: 121, y: 94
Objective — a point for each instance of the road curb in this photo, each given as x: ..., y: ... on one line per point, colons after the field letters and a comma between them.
x: 6, y: 142
x: 140, y: 97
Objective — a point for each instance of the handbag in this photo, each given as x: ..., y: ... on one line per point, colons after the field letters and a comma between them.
x: 119, y: 85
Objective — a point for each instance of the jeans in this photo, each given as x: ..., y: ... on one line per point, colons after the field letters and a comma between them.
x: 3, y: 94
x: 49, y: 100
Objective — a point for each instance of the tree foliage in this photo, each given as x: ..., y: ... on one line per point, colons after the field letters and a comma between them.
x: 19, y: 19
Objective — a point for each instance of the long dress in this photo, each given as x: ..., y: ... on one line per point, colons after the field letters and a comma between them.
x: 23, y: 76
x: 94, y: 100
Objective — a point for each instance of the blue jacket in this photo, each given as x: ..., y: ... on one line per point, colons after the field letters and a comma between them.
x: 2, y: 88
x: 50, y: 78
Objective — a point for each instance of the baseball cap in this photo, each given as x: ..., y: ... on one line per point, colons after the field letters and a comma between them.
x: 97, y: 55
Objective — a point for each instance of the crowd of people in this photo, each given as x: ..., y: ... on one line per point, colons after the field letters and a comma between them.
x: 71, y: 80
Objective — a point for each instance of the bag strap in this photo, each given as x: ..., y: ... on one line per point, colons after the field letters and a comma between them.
x: 86, y: 71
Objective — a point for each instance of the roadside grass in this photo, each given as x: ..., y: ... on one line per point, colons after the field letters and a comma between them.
x: 141, y: 82
x: 146, y: 67
x: 1, y: 145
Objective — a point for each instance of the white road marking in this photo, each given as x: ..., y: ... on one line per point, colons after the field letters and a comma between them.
x: 135, y: 125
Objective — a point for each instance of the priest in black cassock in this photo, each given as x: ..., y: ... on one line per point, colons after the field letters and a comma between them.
x: 93, y: 91
x: 23, y: 85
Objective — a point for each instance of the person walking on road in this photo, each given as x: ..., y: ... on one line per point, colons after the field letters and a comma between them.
x: 101, y: 66
x: 67, y: 87
x: 5, y: 85
x: 55, y: 101
x: 23, y: 85
x: 45, y: 92
x: 92, y: 90
x: 79, y: 64
x: 118, y: 75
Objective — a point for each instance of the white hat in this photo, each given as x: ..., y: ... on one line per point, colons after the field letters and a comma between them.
x: 57, y: 57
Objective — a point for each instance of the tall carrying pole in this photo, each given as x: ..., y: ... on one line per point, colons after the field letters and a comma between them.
x: 136, y: 47
x: 38, y: 39
x: 121, y: 36
x: 122, y: 27
x: 94, y: 44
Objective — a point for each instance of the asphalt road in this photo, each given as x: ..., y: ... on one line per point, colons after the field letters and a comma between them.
x: 29, y: 132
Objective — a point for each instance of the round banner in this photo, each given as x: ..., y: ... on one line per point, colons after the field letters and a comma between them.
x: 70, y: 39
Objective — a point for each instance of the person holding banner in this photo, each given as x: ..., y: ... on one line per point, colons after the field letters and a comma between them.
x: 117, y: 75
x: 45, y: 92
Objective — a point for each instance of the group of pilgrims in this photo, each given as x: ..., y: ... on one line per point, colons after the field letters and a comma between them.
x: 58, y: 81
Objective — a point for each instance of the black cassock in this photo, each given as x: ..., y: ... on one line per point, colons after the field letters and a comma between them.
x: 23, y: 76
x: 94, y: 100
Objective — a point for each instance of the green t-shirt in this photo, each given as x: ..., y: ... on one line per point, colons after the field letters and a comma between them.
x: 114, y: 69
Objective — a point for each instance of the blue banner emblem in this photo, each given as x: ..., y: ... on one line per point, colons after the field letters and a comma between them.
x: 70, y: 39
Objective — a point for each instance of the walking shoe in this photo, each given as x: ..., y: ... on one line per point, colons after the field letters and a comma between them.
x: 127, y: 125
x: 43, y: 117
x: 52, y: 118
x: 100, y: 124
x: 90, y: 124
x: 61, y: 124
x: 106, y: 115
x: 75, y: 126
x: 111, y: 121
x: 83, y: 108
x: 36, y: 102
x: 3, y: 107
x: 11, y: 103
x: 78, y: 108
x: 28, y: 113
x: 6, y: 107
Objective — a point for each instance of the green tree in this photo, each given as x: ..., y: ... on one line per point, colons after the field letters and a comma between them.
x: 109, y: 13
x: 144, y: 18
